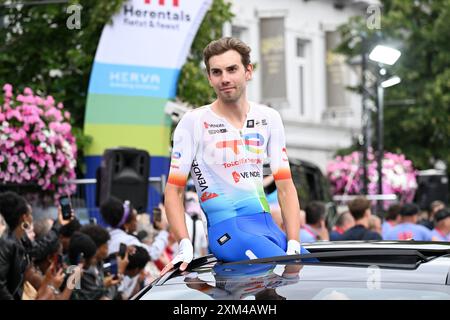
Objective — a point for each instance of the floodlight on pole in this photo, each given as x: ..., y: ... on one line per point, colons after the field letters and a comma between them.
x: 391, y: 82
x: 384, y: 54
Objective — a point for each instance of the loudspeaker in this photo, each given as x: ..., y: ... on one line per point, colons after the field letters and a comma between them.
x: 123, y: 174
x: 431, y: 186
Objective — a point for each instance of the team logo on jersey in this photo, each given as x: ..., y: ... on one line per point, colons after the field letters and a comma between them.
x: 208, y: 195
x: 250, y: 123
x: 252, y: 142
x: 199, y: 176
x: 175, y: 161
x: 241, y: 162
x: 407, y: 235
x: 214, y: 131
x: 176, y: 155
x: 213, y: 125
x: 284, y: 154
x: 236, y: 176
x: 245, y: 175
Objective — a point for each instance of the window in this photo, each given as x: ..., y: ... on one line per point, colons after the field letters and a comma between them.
x: 301, y: 75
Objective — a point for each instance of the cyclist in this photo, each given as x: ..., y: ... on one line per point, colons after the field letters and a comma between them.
x: 223, y: 146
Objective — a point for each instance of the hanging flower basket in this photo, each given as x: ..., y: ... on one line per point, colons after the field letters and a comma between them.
x: 36, y: 144
x: 345, y: 174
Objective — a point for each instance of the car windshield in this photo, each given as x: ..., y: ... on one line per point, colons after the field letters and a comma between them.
x: 311, y: 281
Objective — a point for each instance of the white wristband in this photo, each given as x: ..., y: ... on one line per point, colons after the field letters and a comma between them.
x: 293, y: 247
x: 185, y: 252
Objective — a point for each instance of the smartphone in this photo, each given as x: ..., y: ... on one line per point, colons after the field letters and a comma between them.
x: 113, y: 268
x: 156, y: 214
x: 122, y: 250
x: 66, y: 207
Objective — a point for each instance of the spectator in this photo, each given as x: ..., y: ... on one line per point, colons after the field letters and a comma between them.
x: 107, y: 283
x: 42, y: 227
x: 46, y: 263
x: 120, y: 217
x: 314, y: 229
x: 66, y: 232
x: 3, y: 226
x: 435, y: 206
x: 375, y: 224
x: 82, y: 252
x: 392, y: 219
x: 14, y: 260
x: 442, y: 230
x: 361, y: 212
x: 344, y: 222
x: 408, y: 229
x: 133, y: 281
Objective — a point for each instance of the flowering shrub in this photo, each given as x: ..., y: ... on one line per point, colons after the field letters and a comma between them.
x: 399, y: 177
x: 36, y: 143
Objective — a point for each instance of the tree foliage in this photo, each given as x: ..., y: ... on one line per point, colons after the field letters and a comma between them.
x: 39, y: 51
x: 193, y: 86
x: 421, y: 128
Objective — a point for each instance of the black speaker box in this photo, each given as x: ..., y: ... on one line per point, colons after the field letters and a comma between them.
x: 431, y: 187
x: 123, y: 174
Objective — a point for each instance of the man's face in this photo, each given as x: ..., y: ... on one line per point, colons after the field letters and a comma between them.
x: 228, y: 76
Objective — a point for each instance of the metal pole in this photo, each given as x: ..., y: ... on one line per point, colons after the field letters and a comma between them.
x: 380, y: 147
x: 364, y: 116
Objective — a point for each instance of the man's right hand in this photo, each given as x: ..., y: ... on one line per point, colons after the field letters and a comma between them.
x: 185, y: 255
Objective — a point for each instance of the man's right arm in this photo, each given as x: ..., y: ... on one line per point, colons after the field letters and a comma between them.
x: 183, y: 153
x: 173, y: 203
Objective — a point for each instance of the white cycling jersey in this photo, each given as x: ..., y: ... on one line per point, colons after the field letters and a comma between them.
x: 226, y: 163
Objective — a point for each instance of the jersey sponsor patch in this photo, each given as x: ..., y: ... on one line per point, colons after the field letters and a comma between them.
x: 207, y: 196
x: 223, y: 239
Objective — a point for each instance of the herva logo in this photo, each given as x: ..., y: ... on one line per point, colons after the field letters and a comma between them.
x: 175, y: 3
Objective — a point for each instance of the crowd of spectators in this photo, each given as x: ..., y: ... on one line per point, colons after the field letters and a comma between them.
x: 67, y: 260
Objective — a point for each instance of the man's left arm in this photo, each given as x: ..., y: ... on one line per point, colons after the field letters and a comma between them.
x: 287, y: 193
x: 290, y: 208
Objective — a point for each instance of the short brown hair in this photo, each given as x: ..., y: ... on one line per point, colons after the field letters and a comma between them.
x: 222, y: 45
x: 358, y: 206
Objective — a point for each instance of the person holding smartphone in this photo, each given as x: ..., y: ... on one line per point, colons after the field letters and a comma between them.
x: 121, y: 216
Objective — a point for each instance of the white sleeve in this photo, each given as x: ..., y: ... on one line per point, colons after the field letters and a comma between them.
x: 183, y: 151
x: 276, y: 149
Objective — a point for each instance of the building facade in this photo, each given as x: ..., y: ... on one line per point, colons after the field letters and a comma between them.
x: 298, y: 74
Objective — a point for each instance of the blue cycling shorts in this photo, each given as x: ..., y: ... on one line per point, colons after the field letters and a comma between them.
x: 247, y: 237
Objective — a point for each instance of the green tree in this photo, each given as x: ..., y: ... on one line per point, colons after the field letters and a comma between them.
x: 39, y: 51
x: 421, y: 128
x: 193, y: 86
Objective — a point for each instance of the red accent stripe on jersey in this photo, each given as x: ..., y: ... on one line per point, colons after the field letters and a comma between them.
x: 283, y: 173
x: 177, y: 179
